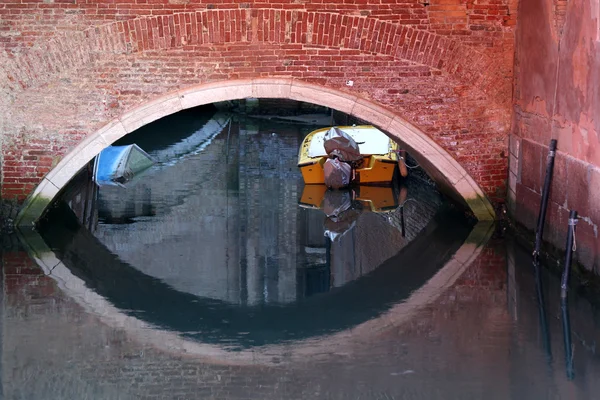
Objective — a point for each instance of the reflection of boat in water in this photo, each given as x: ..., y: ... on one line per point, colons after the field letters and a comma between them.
x: 362, y: 229
x: 377, y: 165
x: 370, y: 198
x: 343, y: 207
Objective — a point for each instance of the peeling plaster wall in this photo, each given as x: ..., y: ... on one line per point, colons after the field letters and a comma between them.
x: 557, y: 96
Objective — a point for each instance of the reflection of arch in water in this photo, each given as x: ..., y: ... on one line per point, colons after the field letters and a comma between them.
x: 360, y: 308
x: 189, y: 132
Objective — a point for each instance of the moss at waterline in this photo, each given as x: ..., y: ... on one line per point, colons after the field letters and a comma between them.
x: 33, y: 210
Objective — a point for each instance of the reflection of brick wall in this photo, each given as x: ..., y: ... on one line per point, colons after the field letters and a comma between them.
x: 488, y: 270
x: 560, y: 13
x: 423, y: 201
x: 469, y: 324
x: 24, y: 281
x: 53, y: 349
x: 247, y: 210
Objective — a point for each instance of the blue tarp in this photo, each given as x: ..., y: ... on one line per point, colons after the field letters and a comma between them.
x: 117, y: 164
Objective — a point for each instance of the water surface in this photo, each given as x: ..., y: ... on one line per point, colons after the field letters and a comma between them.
x: 216, y: 274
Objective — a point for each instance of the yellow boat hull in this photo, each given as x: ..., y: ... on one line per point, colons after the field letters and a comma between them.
x: 313, y: 173
x: 373, y: 169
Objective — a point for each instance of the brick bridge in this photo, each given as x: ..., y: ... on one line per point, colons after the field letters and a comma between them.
x: 75, y: 76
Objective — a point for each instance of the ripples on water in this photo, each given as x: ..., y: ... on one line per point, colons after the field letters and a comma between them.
x: 218, y: 274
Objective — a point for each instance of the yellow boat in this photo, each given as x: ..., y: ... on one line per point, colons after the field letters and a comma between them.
x: 380, y: 156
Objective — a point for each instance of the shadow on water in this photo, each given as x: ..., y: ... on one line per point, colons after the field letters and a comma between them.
x: 215, y: 321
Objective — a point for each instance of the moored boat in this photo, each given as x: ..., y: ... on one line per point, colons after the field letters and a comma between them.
x: 116, y: 165
x: 377, y: 165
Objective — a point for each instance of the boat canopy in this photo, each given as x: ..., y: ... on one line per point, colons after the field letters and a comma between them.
x: 371, y: 141
x: 117, y: 164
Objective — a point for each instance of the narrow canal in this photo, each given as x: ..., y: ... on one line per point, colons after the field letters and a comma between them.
x: 218, y: 274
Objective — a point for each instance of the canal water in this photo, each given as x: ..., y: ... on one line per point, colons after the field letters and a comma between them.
x: 217, y: 274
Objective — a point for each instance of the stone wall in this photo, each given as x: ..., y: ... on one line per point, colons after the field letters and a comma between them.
x: 557, y: 96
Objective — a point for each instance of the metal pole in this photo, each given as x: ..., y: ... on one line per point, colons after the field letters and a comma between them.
x: 544, y: 204
x: 539, y: 289
x: 403, y: 232
x: 566, y: 324
x: 564, y: 288
x: 564, y: 283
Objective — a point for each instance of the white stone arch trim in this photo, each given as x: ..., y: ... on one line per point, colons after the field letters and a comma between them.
x: 454, y: 175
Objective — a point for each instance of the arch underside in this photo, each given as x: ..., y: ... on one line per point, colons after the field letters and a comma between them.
x: 442, y: 167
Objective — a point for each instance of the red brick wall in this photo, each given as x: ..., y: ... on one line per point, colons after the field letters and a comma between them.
x: 557, y: 96
x: 69, y: 67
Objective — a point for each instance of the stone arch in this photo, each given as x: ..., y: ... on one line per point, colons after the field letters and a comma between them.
x: 437, y: 162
